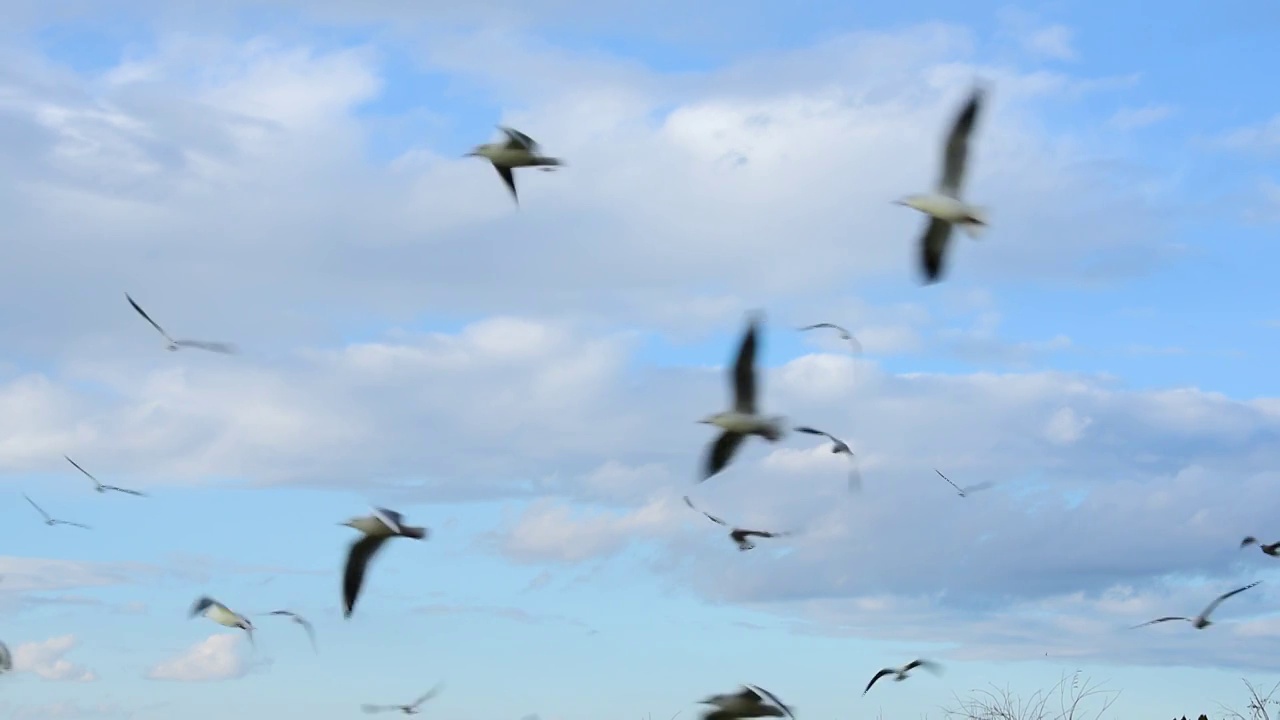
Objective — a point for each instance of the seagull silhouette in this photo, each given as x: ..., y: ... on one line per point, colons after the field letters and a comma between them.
x: 900, y: 674
x: 752, y: 701
x: 518, y: 150
x: 743, y: 419
x: 218, y: 347
x: 99, y: 486
x: 410, y: 709
x: 50, y: 521
x: 1201, y: 621
x: 221, y: 614
x: 841, y: 448
x: 295, y: 617
x: 377, y: 528
x: 964, y: 491
x: 738, y: 535
x: 1272, y: 549
x: 844, y: 334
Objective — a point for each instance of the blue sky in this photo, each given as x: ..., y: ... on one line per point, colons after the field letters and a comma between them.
x: 289, y: 176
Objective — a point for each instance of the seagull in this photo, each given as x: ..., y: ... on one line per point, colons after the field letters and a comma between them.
x: 221, y: 614
x: 738, y: 535
x: 1201, y: 621
x: 965, y: 490
x: 218, y: 347
x: 742, y: 420
x: 750, y: 702
x: 49, y: 520
x: 99, y: 486
x: 840, y: 447
x: 411, y: 709
x: 379, y: 526
x: 844, y: 334
x: 1273, y: 549
x: 311, y: 632
x: 519, y: 150
x: 901, y: 673
x: 6, y: 659
x: 945, y: 207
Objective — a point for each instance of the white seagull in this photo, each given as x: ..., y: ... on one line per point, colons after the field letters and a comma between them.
x: 844, y: 334
x: 218, y: 347
x: 738, y: 535
x: 410, y: 709
x: 221, y: 614
x: 49, y: 520
x: 752, y: 701
x: 311, y: 631
x: 964, y: 491
x: 379, y: 526
x: 743, y: 419
x: 6, y: 659
x: 900, y: 674
x: 944, y: 207
x: 519, y: 150
x: 99, y: 486
x: 1272, y: 549
x: 840, y: 448
x: 1201, y: 621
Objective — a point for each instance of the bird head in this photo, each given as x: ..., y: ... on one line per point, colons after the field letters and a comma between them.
x: 712, y: 419
x: 911, y: 201
x: 478, y: 151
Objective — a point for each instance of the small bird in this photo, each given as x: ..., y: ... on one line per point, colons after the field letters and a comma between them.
x: 738, y: 535
x: 221, y: 614
x: 742, y: 420
x: 944, y: 207
x: 99, y: 486
x: 752, y: 701
x: 411, y: 709
x: 901, y: 673
x: 519, y: 150
x: 6, y: 659
x: 218, y: 347
x: 964, y: 491
x: 840, y: 447
x: 49, y: 520
x: 311, y: 632
x: 844, y: 334
x: 1273, y: 549
x: 379, y: 526
x: 1201, y: 621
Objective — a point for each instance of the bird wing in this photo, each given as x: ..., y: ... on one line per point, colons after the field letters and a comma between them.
x: 929, y: 665
x: 815, y: 431
x: 773, y: 698
x: 1249, y: 540
x: 510, y: 179
x: 979, y: 486
x: 760, y: 533
x: 218, y: 347
x: 933, y: 248
x: 147, y: 317
x: 1158, y: 620
x: 709, y: 516
x: 833, y: 326
x: 855, y: 475
x: 878, y: 675
x: 426, y: 696
x: 944, y: 477
x: 201, y: 604
x: 390, y: 518
x: 957, y: 152
x: 744, y: 371
x: 73, y: 524
x: 721, y: 451
x: 1213, y: 605
x: 86, y: 472
x: 378, y: 708
x: 353, y: 576
x: 37, y: 507
x: 139, y: 493
x: 517, y: 140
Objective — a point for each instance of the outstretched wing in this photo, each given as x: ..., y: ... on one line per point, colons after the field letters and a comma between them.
x: 708, y: 515
x: 978, y: 487
x: 353, y: 577
x: 147, y: 317
x: 37, y: 507
x: 378, y: 708
x: 72, y: 524
x: 86, y: 472
x: 774, y: 699
x: 929, y: 665
x: 815, y: 431
x: 218, y: 347
x: 139, y: 493
x: 878, y: 675
x: 1213, y: 605
x: 1249, y: 540
x: 957, y: 153
x: 720, y: 452
x: 1158, y: 620
x: 427, y: 696
x: 744, y: 369
x: 933, y: 249
x: 518, y: 140
x: 944, y: 477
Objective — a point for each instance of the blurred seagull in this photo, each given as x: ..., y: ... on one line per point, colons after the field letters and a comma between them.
x: 900, y: 674
x: 411, y: 709
x: 1273, y: 549
x: 743, y: 419
x: 1201, y: 621
x: 840, y: 447
x: 6, y: 659
x: 738, y: 535
x: 221, y: 614
x: 49, y: 520
x: 965, y: 490
x: 311, y: 632
x: 99, y: 486
x: 218, y: 347
x: 752, y: 701
x: 379, y: 526
x: 945, y: 207
x: 844, y: 334
x: 519, y: 150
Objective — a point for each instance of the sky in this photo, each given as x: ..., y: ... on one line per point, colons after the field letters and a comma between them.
x: 525, y: 381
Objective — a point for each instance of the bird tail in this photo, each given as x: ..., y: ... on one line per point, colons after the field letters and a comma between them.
x: 975, y: 223
x: 775, y: 430
x: 416, y: 533
x: 550, y: 162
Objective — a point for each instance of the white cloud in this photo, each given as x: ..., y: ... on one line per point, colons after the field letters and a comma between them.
x: 1053, y: 42
x: 1262, y: 137
x: 217, y: 657
x: 45, y: 659
x: 1140, y: 117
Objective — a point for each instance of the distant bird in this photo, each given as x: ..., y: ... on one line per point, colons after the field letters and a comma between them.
x: 1273, y: 549
x: 743, y: 419
x: 218, y: 347
x: 900, y: 674
x: 964, y: 491
x: 49, y: 520
x: 6, y: 659
x: 379, y: 526
x: 99, y: 486
x: 844, y: 334
x: 519, y: 150
x: 752, y: 701
x: 1201, y: 621
x: 311, y: 632
x: 221, y: 614
x: 841, y: 448
x: 945, y: 207
x: 410, y: 709
x: 738, y: 535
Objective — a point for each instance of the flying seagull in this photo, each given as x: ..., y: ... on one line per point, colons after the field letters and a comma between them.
x: 411, y: 709
x: 964, y: 491
x: 1201, y: 621
x: 218, y: 347
x: 738, y: 535
x: 6, y: 659
x: 379, y: 526
x: 311, y: 632
x: 1273, y: 549
x: 743, y: 419
x: 900, y: 674
x: 844, y: 334
x: 221, y: 614
x: 519, y: 150
x: 752, y: 701
x: 842, y: 448
x: 49, y: 520
x: 99, y: 486
x: 944, y: 207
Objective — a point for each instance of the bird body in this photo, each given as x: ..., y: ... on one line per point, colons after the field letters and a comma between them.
x: 377, y: 528
x: 221, y: 614
x: 949, y: 209
x: 769, y: 428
